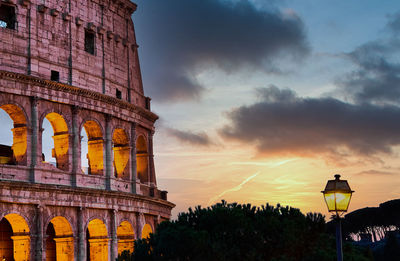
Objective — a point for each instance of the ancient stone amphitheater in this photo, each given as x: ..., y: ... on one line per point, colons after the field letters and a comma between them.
x: 74, y: 63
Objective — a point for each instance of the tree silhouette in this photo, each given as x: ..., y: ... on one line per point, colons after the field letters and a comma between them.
x: 242, y: 232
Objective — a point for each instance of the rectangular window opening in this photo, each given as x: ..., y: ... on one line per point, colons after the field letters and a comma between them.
x: 89, y: 41
x: 7, y: 16
x: 55, y: 76
x: 118, y: 94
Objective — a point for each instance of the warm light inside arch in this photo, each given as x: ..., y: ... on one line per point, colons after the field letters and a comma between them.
x: 126, y: 237
x: 121, y: 152
x: 146, y: 231
x: 19, y: 130
x: 61, y: 140
x: 20, y: 236
x: 95, y: 147
x: 59, y: 243
x: 142, y: 162
x: 97, y: 247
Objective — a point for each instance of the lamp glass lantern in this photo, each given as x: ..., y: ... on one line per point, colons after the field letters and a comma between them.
x: 337, y: 195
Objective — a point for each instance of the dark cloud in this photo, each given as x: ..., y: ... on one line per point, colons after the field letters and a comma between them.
x: 283, y: 123
x: 201, y: 138
x: 180, y: 38
x: 376, y: 78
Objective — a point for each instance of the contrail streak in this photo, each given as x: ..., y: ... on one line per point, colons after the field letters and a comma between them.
x: 237, y: 188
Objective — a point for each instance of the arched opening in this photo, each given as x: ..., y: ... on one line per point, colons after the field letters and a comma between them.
x: 93, y: 136
x: 51, y: 254
x: 60, y: 140
x: 121, y: 152
x: 13, y: 152
x: 6, y: 243
x: 97, y: 241
x: 146, y: 231
x: 142, y: 160
x: 126, y: 237
x: 59, y: 240
x: 14, y: 238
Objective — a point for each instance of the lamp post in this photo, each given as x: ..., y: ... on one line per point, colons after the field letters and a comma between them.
x: 337, y: 195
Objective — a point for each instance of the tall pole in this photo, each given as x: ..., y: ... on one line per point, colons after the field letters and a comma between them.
x: 339, y: 239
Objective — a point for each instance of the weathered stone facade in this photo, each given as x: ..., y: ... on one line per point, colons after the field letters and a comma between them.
x: 75, y: 63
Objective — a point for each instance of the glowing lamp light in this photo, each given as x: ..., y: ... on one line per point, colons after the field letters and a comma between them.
x: 337, y: 195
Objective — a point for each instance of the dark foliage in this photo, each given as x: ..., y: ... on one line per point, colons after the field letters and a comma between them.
x: 242, y: 232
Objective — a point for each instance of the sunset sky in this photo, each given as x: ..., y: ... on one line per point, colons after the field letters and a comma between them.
x: 264, y: 101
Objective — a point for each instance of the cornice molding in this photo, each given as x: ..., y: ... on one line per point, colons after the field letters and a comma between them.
x: 61, y: 87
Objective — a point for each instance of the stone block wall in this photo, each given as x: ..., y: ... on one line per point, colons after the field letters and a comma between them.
x: 50, y: 36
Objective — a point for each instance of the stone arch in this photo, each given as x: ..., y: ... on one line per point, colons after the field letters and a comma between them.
x: 17, y: 153
x: 61, y: 139
x: 15, y: 238
x: 126, y: 237
x: 59, y: 240
x: 97, y: 240
x: 142, y: 159
x: 146, y: 231
x: 121, y: 152
x: 95, y: 157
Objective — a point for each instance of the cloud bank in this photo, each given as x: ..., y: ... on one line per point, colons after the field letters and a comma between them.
x: 180, y: 38
x: 282, y: 123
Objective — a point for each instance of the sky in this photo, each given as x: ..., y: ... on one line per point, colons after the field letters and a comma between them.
x: 264, y: 101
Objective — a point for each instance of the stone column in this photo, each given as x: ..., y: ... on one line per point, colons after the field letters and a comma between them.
x: 114, y: 239
x: 140, y: 222
x: 39, y: 234
x: 75, y: 146
x: 108, y: 165
x: 133, y: 157
x: 152, y: 173
x: 81, y: 236
x: 34, y: 137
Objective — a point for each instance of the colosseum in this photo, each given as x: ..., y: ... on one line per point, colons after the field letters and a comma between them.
x: 74, y: 64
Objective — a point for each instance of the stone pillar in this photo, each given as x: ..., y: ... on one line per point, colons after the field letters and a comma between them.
x: 152, y: 172
x: 21, y: 246
x: 64, y: 248
x: 76, y: 159
x: 108, y: 165
x: 81, y: 236
x: 34, y: 138
x: 39, y: 235
x: 114, y: 239
x: 140, y: 222
x: 133, y: 157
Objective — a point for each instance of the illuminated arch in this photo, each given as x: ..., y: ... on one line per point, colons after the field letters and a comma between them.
x: 126, y: 237
x: 18, y: 223
x: 142, y: 159
x: 95, y: 147
x: 59, y: 240
x: 61, y: 140
x: 17, y: 239
x: 97, y: 241
x: 6, y: 243
x: 146, y: 231
x: 121, y: 151
x: 16, y: 154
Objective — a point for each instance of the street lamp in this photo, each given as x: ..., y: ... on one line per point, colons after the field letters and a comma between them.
x: 337, y: 195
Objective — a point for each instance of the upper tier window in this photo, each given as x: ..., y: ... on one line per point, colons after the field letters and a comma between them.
x: 89, y: 42
x: 7, y: 16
